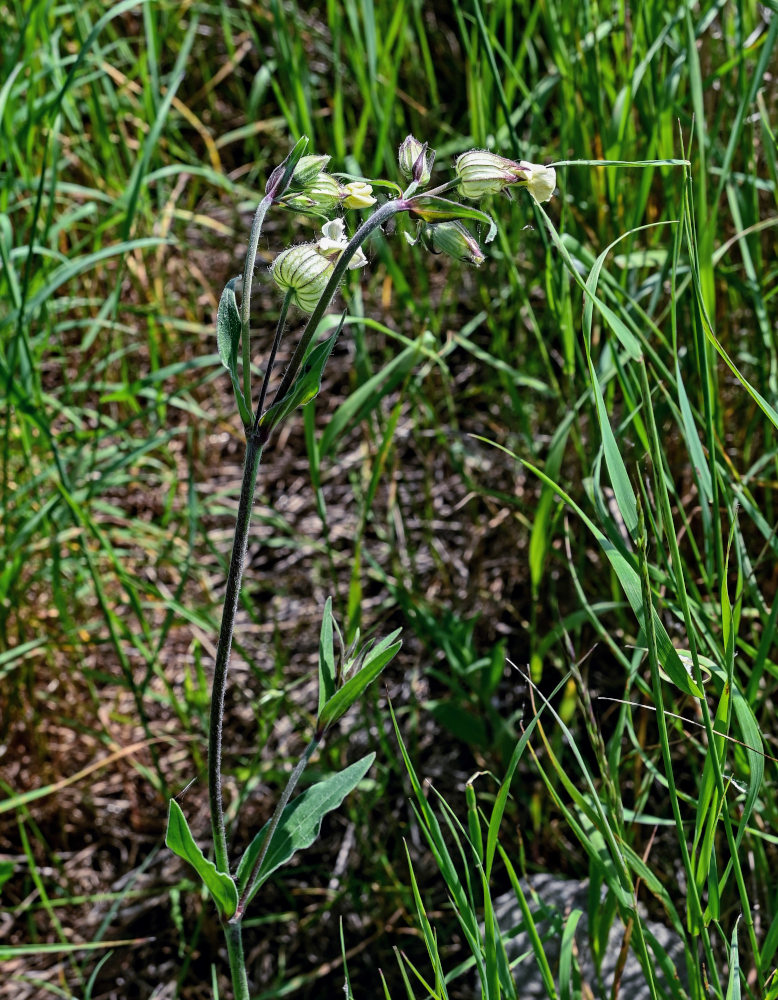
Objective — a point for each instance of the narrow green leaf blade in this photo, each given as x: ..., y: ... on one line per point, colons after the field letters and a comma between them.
x: 228, y: 327
x: 326, y: 657
x: 432, y: 208
x: 733, y: 985
x: 300, y: 823
x: 307, y: 384
x: 696, y: 453
x: 181, y: 842
x: 355, y: 686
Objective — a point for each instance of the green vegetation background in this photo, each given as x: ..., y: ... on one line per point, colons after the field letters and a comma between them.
x: 134, y: 140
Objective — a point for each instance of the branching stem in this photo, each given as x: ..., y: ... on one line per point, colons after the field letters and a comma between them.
x: 377, y: 219
x: 291, y: 784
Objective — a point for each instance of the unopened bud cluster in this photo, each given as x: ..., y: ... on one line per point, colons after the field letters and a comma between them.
x: 312, y: 191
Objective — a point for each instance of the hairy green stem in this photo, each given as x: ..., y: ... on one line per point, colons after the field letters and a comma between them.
x: 233, y: 933
x: 238, y: 556
x: 272, y: 357
x: 234, y: 577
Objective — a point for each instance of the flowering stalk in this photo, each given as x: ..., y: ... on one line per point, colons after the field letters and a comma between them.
x: 276, y: 185
x: 309, y: 274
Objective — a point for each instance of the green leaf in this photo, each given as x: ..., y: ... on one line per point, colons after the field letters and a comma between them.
x: 307, y: 384
x: 228, y: 327
x: 375, y: 661
x: 228, y: 331
x: 181, y: 842
x: 326, y: 657
x: 431, y: 208
x: 733, y: 983
x: 566, y: 955
x: 300, y: 823
x: 697, y: 455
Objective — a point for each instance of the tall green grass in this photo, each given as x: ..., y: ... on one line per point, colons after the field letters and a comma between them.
x: 134, y: 139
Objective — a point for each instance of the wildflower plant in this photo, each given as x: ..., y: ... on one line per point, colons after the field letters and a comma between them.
x: 309, y: 274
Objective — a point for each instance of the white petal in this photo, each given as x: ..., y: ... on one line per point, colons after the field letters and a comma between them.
x: 334, y: 231
x: 358, y: 260
x: 541, y: 182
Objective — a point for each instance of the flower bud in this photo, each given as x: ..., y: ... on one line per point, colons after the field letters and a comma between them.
x: 303, y: 271
x: 357, y: 194
x: 416, y: 159
x: 319, y: 196
x: 454, y: 239
x: 307, y: 168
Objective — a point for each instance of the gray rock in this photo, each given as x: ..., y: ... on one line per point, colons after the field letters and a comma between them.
x: 551, y: 900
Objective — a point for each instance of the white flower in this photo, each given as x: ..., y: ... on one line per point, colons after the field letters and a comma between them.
x: 357, y: 194
x: 334, y: 242
x: 334, y: 238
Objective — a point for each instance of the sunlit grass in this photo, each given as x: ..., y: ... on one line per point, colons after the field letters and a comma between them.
x: 134, y: 139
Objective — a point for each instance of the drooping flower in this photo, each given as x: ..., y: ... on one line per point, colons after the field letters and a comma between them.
x: 541, y: 182
x: 482, y: 173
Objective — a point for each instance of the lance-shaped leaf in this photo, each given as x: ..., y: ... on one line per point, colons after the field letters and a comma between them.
x: 326, y: 656
x: 279, y: 180
x: 431, y: 208
x: 228, y: 330
x: 300, y: 824
x: 307, y: 384
x: 374, y: 662
x: 181, y: 842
